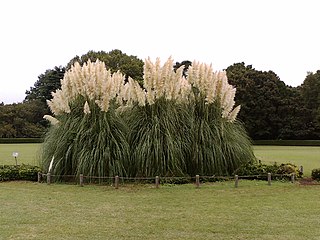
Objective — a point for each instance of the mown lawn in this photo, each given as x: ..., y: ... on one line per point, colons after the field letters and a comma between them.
x: 214, y: 211
x: 28, y: 153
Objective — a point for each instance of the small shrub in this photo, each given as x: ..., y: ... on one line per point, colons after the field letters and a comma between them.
x: 315, y: 174
x: 19, y: 172
x: 289, y: 168
x: 254, y: 169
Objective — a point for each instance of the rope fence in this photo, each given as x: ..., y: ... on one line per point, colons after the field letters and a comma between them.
x: 48, y: 177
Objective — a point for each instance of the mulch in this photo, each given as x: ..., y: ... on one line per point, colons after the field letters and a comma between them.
x: 308, y: 181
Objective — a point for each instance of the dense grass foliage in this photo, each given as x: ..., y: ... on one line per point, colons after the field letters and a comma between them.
x: 217, y: 211
x: 218, y: 147
x: 159, y: 138
x: 165, y: 139
x: 90, y: 144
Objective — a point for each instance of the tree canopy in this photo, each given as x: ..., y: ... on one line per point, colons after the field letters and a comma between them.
x: 22, y: 120
x: 186, y: 64
x: 310, y: 91
x: 115, y: 60
x: 269, y: 108
x: 46, y: 84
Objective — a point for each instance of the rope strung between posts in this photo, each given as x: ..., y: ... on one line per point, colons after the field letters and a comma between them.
x: 169, y: 178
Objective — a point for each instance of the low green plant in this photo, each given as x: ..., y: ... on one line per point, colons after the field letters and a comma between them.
x: 257, y: 169
x: 315, y: 174
x: 289, y: 168
x: 19, y: 172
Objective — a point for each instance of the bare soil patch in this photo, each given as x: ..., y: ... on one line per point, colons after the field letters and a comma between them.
x: 308, y: 181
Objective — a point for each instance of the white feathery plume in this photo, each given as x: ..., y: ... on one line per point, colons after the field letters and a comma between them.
x: 162, y: 81
x: 51, y: 164
x: 214, y: 86
x: 233, y: 114
x: 97, y: 84
x: 86, y: 108
x: 92, y: 81
x: 53, y: 121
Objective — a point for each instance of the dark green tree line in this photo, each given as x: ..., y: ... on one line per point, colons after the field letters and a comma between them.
x: 22, y: 120
x: 269, y: 108
x: 310, y: 90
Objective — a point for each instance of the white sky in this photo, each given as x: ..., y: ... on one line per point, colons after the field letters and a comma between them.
x: 278, y: 35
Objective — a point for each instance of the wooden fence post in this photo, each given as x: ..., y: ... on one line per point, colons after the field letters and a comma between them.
x: 197, y: 181
x: 39, y: 177
x: 236, y: 184
x: 48, y: 178
x: 81, y: 180
x: 269, y: 179
x: 116, y: 182
x: 293, y: 177
x: 157, y: 181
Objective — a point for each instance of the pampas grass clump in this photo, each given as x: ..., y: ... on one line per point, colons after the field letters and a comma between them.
x: 88, y: 137
x: 172, y: 126
x: 159, y: 128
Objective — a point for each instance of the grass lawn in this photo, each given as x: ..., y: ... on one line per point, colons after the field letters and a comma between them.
x: 214, y: 211
x: 308, y: 157
x: 27, y: 153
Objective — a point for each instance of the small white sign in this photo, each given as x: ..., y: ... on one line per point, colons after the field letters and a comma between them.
x: 15, y: 154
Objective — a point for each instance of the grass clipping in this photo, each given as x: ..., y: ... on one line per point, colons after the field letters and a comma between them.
x: 103, y: 125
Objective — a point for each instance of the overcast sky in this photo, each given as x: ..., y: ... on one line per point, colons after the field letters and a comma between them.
x: 278, y: 35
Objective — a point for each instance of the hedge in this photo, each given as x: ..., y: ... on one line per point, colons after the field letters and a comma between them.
x: 287, y: 142
x: 19, y: 172
x: 21, y: 140
x: 255, y: 142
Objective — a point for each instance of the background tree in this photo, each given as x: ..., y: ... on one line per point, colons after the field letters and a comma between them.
x: 310, y: 91
x: 296, y: 118
x: 115, y: 60
x: 46, y: 84
x: 263, y: 98
x: 186, y: 64
x: 22, y: 120
x: 272, y: 110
